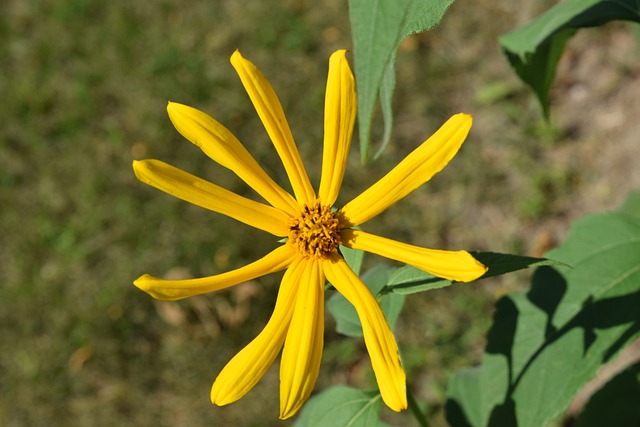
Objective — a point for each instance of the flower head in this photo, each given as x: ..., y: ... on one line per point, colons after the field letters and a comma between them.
x: 314, y: 231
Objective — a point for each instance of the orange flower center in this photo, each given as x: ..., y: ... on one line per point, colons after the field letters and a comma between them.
x: 315, y: 233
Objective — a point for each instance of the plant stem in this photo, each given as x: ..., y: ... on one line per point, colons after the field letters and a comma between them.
x: 417, y: 413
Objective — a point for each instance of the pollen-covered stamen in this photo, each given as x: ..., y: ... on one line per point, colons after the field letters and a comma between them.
x: 315, y: 233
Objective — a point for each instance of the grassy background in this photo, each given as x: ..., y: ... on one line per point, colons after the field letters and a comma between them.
x: 84, y: 86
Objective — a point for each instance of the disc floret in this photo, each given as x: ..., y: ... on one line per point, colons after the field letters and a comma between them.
x: 316, y: 232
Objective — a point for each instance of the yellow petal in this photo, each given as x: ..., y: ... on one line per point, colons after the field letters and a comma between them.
x: 378, y: 337
x: 250, y: 364
x: 302, y: 351
x: 163, y: 289
x: 453, y: 265
x: 416, y: 169
x: 268, y: 106
x: 202, y: 193
x: 224, y: 148
x: 340, y: 108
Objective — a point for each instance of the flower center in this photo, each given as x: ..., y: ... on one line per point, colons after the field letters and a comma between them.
x: 316, y: 232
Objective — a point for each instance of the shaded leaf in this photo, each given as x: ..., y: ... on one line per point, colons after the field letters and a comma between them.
x: 616, y: 403
x: 347, y: 321
x: 342, y: 406
x: 534, y: 49
x: 506, y: 263
x: 409, y: 280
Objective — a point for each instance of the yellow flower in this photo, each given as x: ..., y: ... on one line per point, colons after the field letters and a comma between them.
x: 313, y: 231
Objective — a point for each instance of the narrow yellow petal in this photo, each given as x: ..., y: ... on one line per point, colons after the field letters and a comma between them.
x: 340, y: 108
x: 416, y: 169
x: 302, y: 351
x: 163, y: 289
x: 378, y: 337
x: 202, y: 193
x: 248, y: 366
x: 224, y: 148
x: 268, y: 106
x: 453, y: 265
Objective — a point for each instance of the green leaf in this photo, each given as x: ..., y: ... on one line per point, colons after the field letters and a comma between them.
x: 391, y: 306
x: 386, y: 94
x: 631, y: 206
x: 475, y: 389
x: 392, y: 284
x: 423, y: 15
x: 342, y: 406
x: 534, y: 49
x: 353, y: 257
x: 506, y: 263
x: 347, y: 321
x: 378, y: 27
x: 544, y: 345
x: 409, y: 280
x: 615, y: 404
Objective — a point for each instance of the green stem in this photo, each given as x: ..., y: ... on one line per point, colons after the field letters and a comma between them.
x: 417, y: 413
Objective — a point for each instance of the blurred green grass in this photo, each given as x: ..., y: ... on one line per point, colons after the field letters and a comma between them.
x: 84, y: 86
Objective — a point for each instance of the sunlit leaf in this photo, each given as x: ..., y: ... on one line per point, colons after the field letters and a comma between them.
x: 386, y: 95
x: 544, y: 345
x: 631, y: 205
x: 342, y: 406
x: 353, y: 257
x: 534, y: 49
x: 423, y: 15
x: 378, y: 27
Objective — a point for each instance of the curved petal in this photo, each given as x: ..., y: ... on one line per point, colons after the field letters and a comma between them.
x: 378, y: 337
x: 224, y: 148
x: 453, y: 265
x: 192, y: 189
x: 340, y: 108
x: 250, y: 364
x: 163, y: 289
x: 268, y: 106
x: 416, y: 169
x: 300, y: 364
